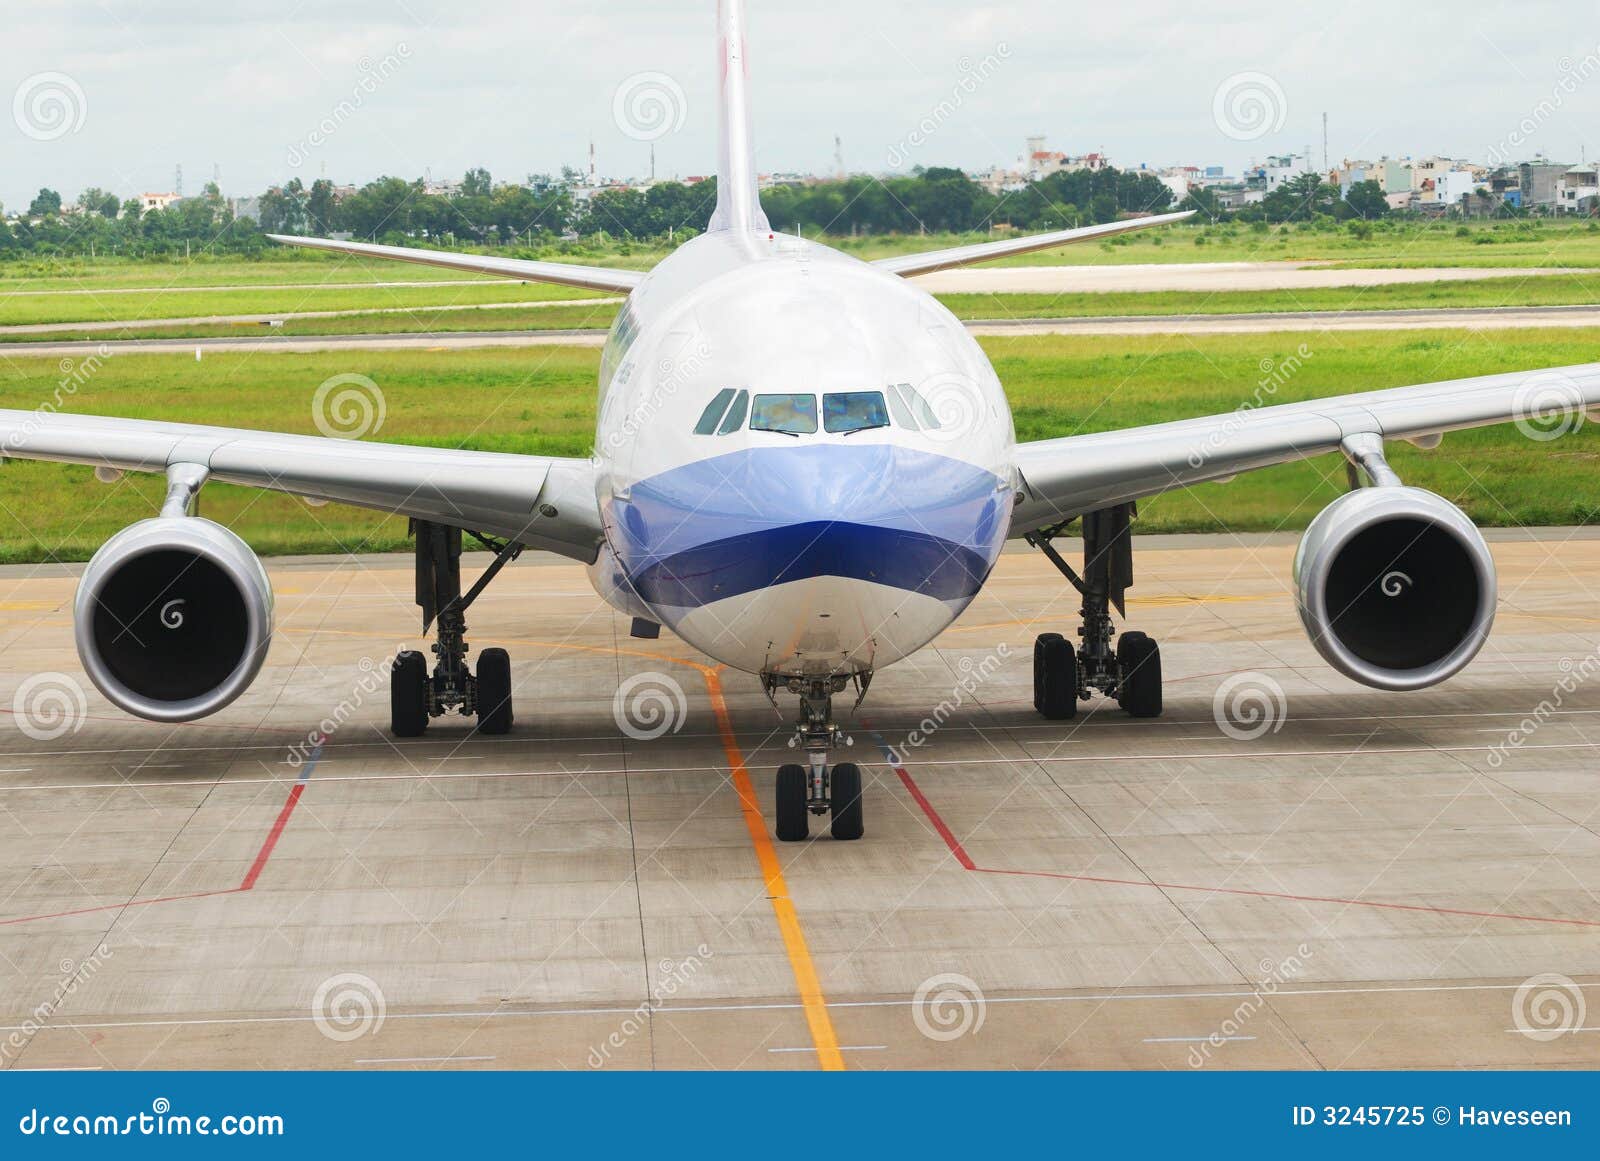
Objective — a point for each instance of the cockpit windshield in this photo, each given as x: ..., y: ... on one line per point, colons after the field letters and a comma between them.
x: 789, y: 414
x: 854, y: 411
x: 843, y: 412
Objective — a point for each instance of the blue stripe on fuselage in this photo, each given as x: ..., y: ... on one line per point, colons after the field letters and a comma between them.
x: 759, y: 517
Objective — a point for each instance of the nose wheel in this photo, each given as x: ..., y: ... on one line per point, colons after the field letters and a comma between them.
x: 817, y: 788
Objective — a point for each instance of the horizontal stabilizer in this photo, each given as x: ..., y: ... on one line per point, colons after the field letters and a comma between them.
x: 586, y: 277
x: 909, y: 264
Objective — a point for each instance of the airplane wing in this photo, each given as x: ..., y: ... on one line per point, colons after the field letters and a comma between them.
x: 911, y: 264
x: 1064, y: 478
x: 544, y: 503
x: 587, y: 277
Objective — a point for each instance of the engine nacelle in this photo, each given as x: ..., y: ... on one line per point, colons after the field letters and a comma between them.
x: 1395, y: 586
x: 173, y: 618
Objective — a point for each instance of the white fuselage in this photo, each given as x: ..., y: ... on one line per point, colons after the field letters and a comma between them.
x: 819, y: 552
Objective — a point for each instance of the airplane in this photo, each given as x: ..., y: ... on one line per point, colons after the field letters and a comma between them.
x: 805, y: 468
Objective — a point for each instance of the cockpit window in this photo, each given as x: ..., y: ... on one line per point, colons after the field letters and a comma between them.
x: 736, y: 414
x: 790, y: 414
x: 854, y: 411
x: 911, y: 409
x: 713, y: 412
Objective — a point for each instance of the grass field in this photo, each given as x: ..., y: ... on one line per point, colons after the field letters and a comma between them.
x: 1543, y: 290
x: 1400, y: 243
x: 542, y: 401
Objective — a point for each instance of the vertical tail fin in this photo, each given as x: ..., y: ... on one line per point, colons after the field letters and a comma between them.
x: 738, y: 197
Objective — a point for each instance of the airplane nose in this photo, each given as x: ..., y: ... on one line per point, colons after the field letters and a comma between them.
x: 766, y: 518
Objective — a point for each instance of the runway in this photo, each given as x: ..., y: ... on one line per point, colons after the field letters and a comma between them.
x: 1370, y: 881
x: 1481, y: 319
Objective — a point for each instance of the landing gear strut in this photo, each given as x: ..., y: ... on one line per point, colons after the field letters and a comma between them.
x: 1130, y: 672
x: 816, y: 787
x: 414, y: 694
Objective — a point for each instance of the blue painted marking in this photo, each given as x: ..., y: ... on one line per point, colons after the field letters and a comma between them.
x: 759, y: 517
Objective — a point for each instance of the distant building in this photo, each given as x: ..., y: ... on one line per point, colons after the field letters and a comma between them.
x: 1040, y: 162
x: 1453, y: 186
x: 1577, y: 190
x: 158, y: 201
x: 246, y: 209
x: 1276, y: 171
x: 1392, y: 174
x: 1538, y: 181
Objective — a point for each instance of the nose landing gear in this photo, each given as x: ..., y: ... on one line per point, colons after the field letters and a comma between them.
x: 1130, y: 673
x: 816, y: 787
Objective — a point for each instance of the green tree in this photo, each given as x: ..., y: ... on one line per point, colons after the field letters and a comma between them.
x: 319, y: 206
x: 46, y: 205
x: 1366, y: 200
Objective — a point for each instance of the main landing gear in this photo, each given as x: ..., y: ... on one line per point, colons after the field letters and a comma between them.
x: 1064, y: 676
x: 816, y: 787
x: 414, y: 694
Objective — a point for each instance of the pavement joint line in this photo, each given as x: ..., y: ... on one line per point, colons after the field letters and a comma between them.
x: 1025, y: 760
x: 1096, y: 997
x: 252, y: 876
x: 958, y: 850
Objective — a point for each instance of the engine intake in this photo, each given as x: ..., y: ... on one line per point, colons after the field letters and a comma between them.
x: 173, y: 617
x: 1395, y: 586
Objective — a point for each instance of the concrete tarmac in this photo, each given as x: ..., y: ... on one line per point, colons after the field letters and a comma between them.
x: 1285, y: 870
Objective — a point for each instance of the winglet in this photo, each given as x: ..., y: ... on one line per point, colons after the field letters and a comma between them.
x: 738, y: 195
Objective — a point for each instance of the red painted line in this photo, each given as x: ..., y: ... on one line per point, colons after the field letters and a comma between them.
x: 273, y: 836
x: 950, y: 840
x: 119, y: 906
x: 956, y: 849
x: 252, y: 876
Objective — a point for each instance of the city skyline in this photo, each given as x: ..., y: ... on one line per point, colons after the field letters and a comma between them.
x: 364, y: 88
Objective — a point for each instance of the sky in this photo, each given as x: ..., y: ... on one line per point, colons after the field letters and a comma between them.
x: 119, y: 93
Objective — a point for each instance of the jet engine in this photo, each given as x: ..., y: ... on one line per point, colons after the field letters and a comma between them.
x: 173, y: 618
x: 1396, y: 587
